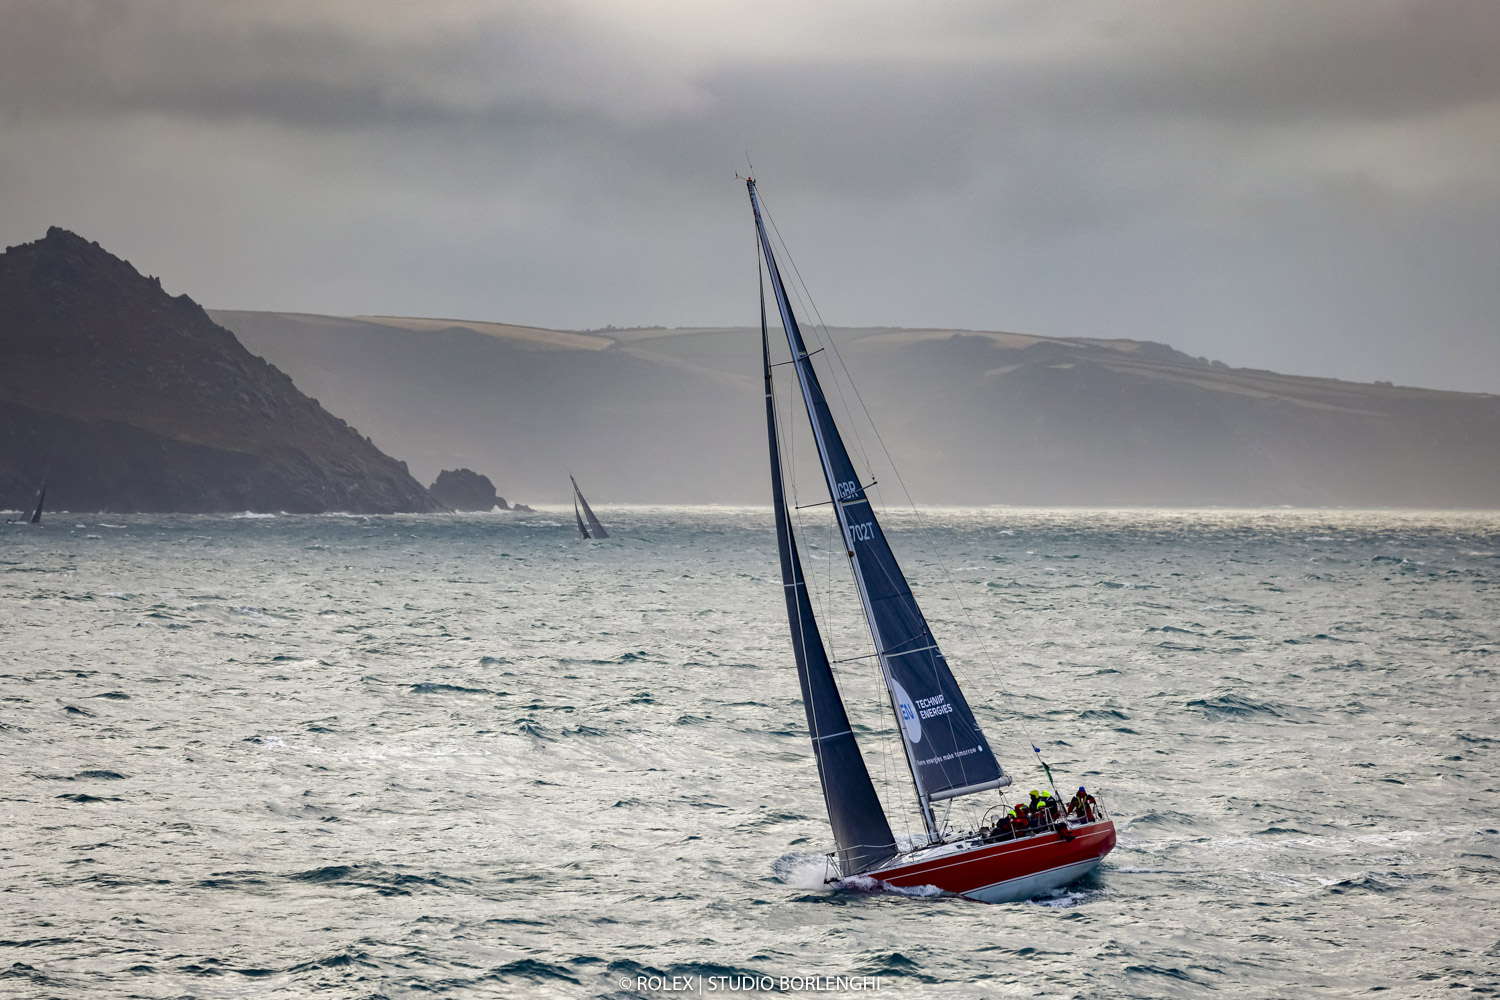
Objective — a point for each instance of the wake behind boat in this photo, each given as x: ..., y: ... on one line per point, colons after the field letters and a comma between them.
x: 1025, y: 850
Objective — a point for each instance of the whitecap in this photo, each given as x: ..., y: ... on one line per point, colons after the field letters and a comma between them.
x: 804, y: 871
x: 865, y: 883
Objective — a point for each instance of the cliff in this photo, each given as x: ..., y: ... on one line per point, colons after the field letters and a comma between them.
x: 126, y: 398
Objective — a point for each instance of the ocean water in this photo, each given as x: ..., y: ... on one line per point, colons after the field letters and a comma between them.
x: 474, y: 756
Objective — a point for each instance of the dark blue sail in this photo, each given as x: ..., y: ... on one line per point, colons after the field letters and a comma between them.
x: 41, y: 498
x: 859, y: 825
x: 946, y: 749
x: 596, y: 530
x: 577, y: 516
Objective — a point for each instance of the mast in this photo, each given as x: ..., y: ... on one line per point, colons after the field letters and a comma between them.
x: 860, y: 827
x: 945, y: 749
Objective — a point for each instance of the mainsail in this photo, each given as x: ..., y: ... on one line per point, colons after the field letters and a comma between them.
x: 859, y: 825
x: 595, y: 528
x: 947, y: 751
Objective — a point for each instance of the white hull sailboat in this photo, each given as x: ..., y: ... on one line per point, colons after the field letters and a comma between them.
x: 946, y: 752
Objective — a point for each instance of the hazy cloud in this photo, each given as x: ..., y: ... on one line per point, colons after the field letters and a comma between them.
x: 1309, y: 186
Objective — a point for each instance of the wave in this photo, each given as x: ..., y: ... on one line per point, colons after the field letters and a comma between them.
x: 85, y: 798
x: 808, y: 871
x: 430, y: 687
x: 864, y: 883
x: 341, y: 960
x: 377, y: 878
x: 1233, y: 706
x: 801, y: 871
x: 530, y: 970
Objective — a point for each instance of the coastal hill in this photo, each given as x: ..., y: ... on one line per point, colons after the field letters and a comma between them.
x: 969, y: 417
x: 125, y: 398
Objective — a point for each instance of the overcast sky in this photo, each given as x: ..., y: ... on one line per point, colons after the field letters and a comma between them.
x: 1307, y: 186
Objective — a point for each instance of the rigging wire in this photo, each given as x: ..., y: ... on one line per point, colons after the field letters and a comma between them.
x: 827, y: 338
x: 822, y: 334
x: 824, y: 598
x: 798, y: 288
x: 893, y: 575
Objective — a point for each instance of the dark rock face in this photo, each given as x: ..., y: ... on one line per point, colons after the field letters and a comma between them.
x: 464, y: 489
x: 128, y: 399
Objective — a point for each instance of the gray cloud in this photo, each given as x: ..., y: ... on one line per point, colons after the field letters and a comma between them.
x: 1309, y: 186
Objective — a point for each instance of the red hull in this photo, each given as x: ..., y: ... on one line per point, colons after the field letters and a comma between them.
x: 1011, y: 870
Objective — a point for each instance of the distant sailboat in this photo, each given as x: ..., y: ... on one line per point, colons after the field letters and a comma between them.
x: 35, y: 515
x: 946, y: 751
x: 594, y: 529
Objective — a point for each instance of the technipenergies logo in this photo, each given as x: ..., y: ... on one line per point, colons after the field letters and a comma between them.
x: 911, y: 724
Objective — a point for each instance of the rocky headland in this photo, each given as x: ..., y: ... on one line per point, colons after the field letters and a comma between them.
x: 125, y: 398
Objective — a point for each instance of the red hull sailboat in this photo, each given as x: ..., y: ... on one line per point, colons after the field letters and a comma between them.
x: 1019, y: 855
x: 1001, y: 873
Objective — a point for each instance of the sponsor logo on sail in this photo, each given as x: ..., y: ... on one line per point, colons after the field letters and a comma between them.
x: 911, y: 723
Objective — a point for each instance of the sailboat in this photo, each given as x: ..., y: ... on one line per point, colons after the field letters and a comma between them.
x: 35, y: 517
x: 41, y: 498
x: 594, y: 529
x: 947, y: 753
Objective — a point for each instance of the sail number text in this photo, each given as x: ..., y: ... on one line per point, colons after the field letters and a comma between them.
x: 863, y: 532
x: 847, y: 490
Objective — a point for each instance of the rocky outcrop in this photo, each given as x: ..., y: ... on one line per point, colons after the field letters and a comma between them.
x: 465, y: 489
x: 126, y: 398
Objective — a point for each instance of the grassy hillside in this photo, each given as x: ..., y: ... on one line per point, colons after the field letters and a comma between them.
x: 968, y: 416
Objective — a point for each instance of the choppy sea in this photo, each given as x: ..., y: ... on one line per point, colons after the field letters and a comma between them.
x: 475, y: 756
